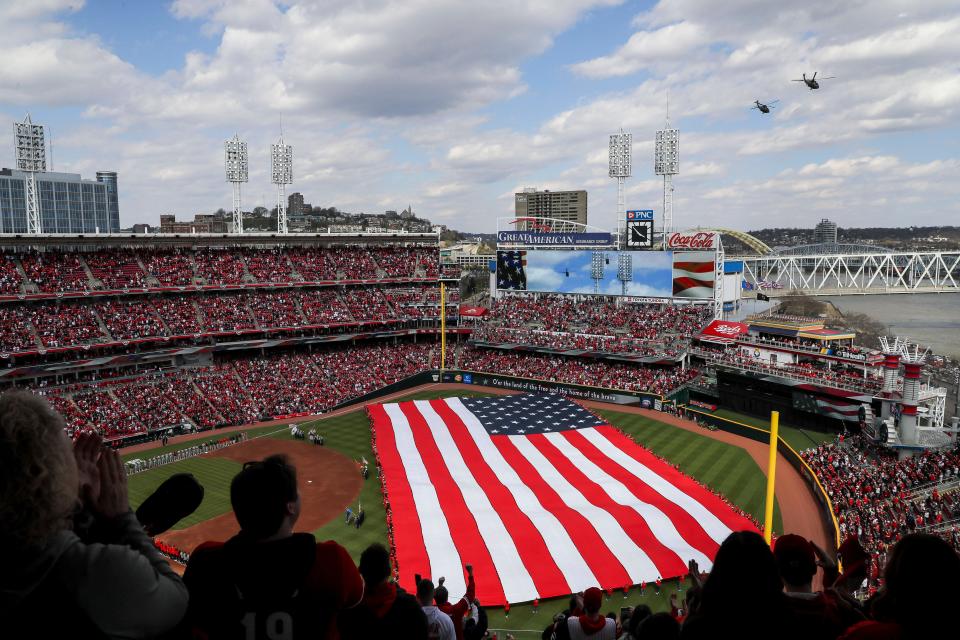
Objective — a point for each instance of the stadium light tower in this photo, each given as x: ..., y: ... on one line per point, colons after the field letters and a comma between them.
x: 624, y: 270
x: 282, y: 174
x: 666, y: 163
x: 237, y: 173
x: 596, y: 269
x: 31, y: 156
x: 621, y: 168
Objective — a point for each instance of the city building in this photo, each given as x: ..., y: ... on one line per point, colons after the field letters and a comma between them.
x: 570, y: 206
x: 68, y: 203
x: 202, y: 223
x: 825, y: 232
x: 295, y: 204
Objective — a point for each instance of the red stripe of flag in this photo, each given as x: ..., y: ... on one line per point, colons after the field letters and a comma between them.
x: 668, y: 563
x: 463, y: 526
x: 694, y: 267
x: 407, y: 534
x: 686, y: 524
x: 713, y: 503
x: 683, y: 283
x: 533, y: 550
x: 603, y: 562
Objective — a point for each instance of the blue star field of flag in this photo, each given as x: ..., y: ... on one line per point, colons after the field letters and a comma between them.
x: 510, y: 270
x: 528, y: 414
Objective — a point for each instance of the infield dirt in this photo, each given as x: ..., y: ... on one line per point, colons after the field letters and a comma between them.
x: 328, y: 483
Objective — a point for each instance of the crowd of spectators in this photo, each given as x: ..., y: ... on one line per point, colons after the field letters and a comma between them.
x: 118, y: 269
x: 814, y: 370
x: 76, y: 323
x: 66, y: 525
x: 594, y: 373
x: 878, y: 498
x: 10, y: 280
x: 238, y: 391
x: 593, y: 323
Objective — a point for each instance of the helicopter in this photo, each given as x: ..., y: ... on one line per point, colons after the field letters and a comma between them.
x: 812, y: 82
x: 764, y: 108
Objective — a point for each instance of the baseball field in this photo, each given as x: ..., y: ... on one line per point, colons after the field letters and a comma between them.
x: 330, y: 482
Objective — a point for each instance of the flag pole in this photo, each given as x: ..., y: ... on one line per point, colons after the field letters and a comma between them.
x: 771, y: 476
x: 443, y: 328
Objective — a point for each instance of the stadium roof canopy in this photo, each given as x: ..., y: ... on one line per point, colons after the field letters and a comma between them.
x: 24, y: 241
x: 754, y: 243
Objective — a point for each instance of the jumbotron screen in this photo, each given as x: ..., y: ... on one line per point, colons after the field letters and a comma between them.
x: 654, y: 274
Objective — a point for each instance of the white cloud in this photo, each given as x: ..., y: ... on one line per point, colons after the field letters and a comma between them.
x: 388, y: 103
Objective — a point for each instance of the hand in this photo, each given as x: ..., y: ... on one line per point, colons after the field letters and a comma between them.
x: 441, y: 581
x: 693, y: 568
x: 86, y: 451
x: 470, y: 569
x: 112, y: 500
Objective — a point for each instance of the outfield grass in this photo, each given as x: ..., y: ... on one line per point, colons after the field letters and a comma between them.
x: 214, y: 474
x: 796, y: 437
x: 726, y: 468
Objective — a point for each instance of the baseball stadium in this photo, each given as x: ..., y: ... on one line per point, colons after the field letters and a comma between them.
x: 560, y: 437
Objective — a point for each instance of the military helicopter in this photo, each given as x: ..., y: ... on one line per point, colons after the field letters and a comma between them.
x: 764, y: 108
x: 812, y: 82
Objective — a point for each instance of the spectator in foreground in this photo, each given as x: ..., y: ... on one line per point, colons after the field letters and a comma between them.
x: 743, y: 597
x: 458, y: 610
x: 820, y: 614
x: 920, y: 587
x: 387, y: 611
x: 591, y: 623
x: 439, y: 624
x: 659, y: 626
x: 631, y: 625
x: 267, y: 580
x: 55, y: 583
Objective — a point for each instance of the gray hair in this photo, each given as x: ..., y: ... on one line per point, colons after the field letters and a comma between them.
x: 38, y: 473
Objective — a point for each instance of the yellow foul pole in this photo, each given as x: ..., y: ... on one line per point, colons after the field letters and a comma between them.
x: 443, y: 328
x: 771, y: 476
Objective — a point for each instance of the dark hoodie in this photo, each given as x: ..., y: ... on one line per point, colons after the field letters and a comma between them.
x: 118, y: 587
x: 297, y: 585
x: 387, y: 611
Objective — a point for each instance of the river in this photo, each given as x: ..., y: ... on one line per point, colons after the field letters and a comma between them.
x: 931, y: 319
x: 928, y: 318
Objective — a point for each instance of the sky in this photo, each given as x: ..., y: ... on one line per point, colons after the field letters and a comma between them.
x: 451, y: 106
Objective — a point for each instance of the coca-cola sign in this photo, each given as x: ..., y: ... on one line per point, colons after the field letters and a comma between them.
x: 692, y: 240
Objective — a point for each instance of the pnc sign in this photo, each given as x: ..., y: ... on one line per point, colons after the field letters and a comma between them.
x: 693, y: 240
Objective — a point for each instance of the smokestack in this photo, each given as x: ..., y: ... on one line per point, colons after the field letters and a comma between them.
x: 912, y: 365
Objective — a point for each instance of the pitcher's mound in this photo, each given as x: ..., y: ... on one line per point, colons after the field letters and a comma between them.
x: 328, y: 482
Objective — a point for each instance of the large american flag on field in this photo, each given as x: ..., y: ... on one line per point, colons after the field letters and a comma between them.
x: 540, y: 495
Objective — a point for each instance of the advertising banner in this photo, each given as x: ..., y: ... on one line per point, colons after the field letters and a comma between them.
x: 554, y: 238
x: 693, y: 240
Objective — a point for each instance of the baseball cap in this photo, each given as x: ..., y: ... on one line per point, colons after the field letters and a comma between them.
x: 796, y: 558
x: 592, y: 599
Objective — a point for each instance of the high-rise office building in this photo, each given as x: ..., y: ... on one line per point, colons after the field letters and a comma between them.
x: 570, y: 206
x: 825, y: 232
x: 109, y: 178
x: 68, y: 203
x: 295, y: 204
